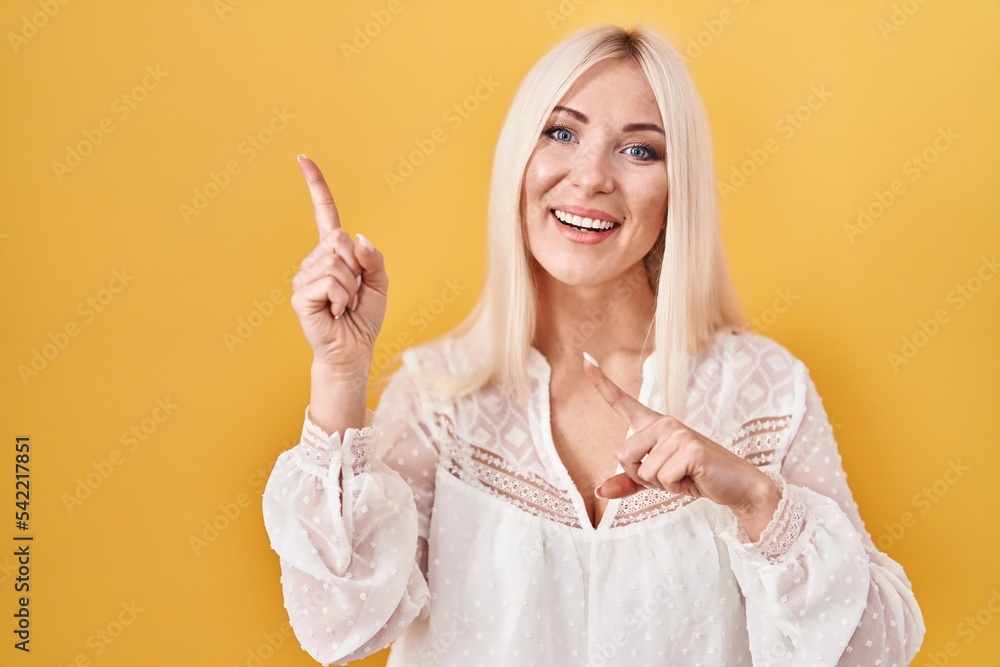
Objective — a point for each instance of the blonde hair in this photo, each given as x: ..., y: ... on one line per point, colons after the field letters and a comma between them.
x: 686, y: 267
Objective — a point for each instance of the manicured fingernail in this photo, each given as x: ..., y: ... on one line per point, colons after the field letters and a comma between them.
x: 354, y: 302
x: 359, y: 281
x: 597, y: 491
x: 365, y: 242
x: 302, y: 157
x: 591, y: 360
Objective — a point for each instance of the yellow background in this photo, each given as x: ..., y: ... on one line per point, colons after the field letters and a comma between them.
x: 225, y: 68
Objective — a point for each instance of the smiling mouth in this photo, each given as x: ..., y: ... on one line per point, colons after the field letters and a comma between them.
x: 584, y: 224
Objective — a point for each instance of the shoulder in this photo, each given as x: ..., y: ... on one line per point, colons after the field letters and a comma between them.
x: 438, y: 357
x: 740, y: 352
x: 764, y: 375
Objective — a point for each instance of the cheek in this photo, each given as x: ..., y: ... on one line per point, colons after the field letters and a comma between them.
x: 539, y: 176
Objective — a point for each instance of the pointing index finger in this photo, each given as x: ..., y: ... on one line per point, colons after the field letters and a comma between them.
x: 635, y: 413
x: 327, y: 218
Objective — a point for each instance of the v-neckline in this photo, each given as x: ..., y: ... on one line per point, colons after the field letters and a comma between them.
x: 541, y: 414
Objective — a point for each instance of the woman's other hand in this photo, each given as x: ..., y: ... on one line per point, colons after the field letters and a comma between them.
x: 665, y: 454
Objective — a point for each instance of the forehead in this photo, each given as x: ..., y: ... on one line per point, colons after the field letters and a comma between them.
x: 614, y: 88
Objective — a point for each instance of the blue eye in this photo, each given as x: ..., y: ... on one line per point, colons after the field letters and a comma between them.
x: 643, y: 152
x: 559, y: 133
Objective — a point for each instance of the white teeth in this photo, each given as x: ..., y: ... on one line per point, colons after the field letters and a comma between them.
x: 587, y: 223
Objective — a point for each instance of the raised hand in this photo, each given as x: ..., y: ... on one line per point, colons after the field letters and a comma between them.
x: 341, y: 288
x: 663, y: 453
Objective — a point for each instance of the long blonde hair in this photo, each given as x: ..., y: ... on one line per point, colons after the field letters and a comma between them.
x: 686, y: 267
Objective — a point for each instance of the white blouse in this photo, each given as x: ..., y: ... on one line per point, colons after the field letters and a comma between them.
x: 453, y: 529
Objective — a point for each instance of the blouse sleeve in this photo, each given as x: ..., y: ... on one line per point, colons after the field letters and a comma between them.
x: 349, y: 522
x: 818, y: 592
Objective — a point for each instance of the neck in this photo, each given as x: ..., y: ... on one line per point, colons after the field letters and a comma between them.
x: 604, y: 320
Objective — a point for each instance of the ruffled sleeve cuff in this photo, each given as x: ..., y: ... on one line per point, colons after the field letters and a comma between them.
x: 781, y: 532
x: 357, y: 448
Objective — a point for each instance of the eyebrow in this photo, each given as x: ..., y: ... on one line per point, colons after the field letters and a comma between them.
x: 631, y: 127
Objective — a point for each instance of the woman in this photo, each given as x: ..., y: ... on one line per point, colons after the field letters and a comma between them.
x: 678, y: 500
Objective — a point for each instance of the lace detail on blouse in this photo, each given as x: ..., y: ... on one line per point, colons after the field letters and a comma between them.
x: 786, y: 524
x: 317, y: 444
x: 498, y: 477
x: 781, y: 531
x: 757, y: 441
x: 647, y: 504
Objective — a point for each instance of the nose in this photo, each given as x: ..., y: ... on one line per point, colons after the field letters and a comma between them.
x: 591, y: 171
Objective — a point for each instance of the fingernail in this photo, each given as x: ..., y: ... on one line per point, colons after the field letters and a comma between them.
x: 301, y: 157
x: 365, y: 242
x: 359, y: 281
x: 354, y: 302
x: 597, y: 490
x: 591, y: 360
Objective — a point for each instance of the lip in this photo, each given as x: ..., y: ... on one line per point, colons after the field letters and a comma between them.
x: 586, y: 238
x: 591, y: 213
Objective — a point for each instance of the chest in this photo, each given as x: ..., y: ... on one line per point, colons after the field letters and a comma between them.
x: 586, y: 431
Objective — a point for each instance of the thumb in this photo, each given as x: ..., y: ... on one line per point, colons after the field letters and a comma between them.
x: 373, y: 263
x: 617, y: 486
